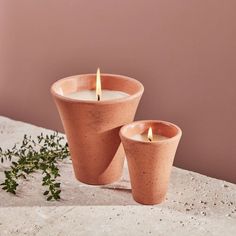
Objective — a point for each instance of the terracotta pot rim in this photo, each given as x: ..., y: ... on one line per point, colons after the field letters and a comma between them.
x: 124, y: 136
x: 118, y: 100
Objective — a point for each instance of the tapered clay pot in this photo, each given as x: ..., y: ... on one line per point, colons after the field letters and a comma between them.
x: 150, y: 163
x: 92, y: 127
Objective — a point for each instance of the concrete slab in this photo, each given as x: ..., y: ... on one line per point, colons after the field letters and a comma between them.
x: 195, y: 204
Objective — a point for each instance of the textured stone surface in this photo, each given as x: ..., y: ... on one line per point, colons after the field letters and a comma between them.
x: 195, y: 204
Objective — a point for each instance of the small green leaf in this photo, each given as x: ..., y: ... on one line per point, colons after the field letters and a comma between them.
x: 57, y: 185
x: 58, y: 192
x: 49, y: 198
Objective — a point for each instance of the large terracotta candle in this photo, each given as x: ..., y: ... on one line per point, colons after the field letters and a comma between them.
x: 150, y: 148
x: 92, y: 113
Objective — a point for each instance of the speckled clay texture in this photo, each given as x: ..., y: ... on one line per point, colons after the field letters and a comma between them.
x: 92, y: 127
x: 150, y: 162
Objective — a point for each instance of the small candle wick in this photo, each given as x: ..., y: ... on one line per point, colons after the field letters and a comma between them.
x: 98, y: 97
x: 150, y: 136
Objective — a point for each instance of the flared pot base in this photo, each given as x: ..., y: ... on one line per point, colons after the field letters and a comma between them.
x: 99, y: 181
x: 149, y: 202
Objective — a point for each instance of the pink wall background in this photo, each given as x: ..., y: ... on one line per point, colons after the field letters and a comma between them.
x: 184, y: 52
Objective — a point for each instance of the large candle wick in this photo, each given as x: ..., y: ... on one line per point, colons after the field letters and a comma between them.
x: 98, y: 85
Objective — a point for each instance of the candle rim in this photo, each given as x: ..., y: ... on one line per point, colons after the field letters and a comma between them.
x: 139, y: 92
x: 176, y: 136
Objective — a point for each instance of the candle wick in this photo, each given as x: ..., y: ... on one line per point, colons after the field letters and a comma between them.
x: 150, y: 139
x: 98, y: 97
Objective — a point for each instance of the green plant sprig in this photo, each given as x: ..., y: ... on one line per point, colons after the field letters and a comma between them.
x: 31, y: 156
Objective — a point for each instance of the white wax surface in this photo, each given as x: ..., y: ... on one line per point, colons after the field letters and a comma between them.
x: 144, y: 137
x: 90, y: 95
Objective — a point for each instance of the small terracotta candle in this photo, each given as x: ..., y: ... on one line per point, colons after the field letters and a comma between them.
x: 150, y: 156
x: 92, y: 114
